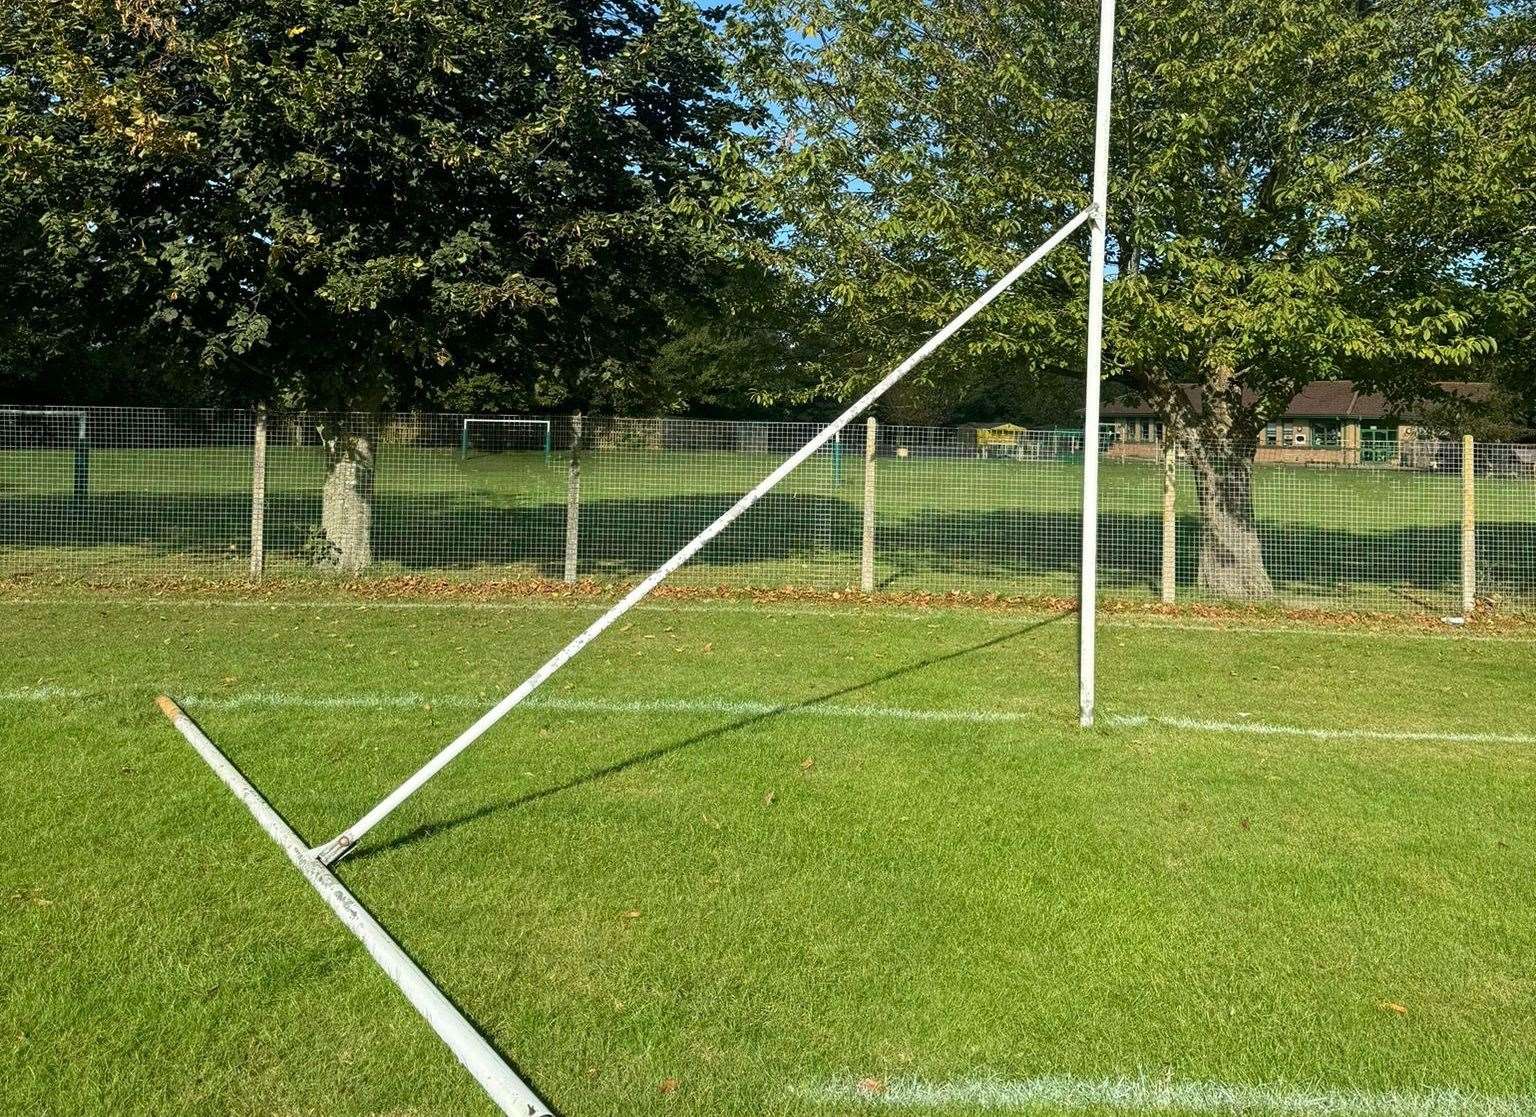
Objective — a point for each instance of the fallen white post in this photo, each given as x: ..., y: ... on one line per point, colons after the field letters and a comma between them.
x: 338, y: 846
x: 499, y: 1081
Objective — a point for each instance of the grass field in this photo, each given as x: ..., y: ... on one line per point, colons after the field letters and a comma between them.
x: 1334, y: 538
x: 741, y: 858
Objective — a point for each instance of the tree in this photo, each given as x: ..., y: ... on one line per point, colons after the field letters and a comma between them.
x: 1299, y: 190
x: 353, y: 204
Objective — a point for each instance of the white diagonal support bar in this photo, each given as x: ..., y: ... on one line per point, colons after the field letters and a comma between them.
x: 1088, y: 597
x: 348, y: 838
x: 500, y: 1082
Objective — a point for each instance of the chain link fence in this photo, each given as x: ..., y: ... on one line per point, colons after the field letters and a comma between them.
x: 119, y: 494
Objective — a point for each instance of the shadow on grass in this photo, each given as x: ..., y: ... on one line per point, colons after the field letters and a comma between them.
x: 804, y: 534
x: 431, y: 829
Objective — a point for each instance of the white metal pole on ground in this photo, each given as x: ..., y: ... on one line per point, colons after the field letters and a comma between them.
x: 1468, y: 526
x: 259, y: 494
x: 867, y: 550
x: 500, y: 1082
x: 348, y: 838
x: 1088, y: 594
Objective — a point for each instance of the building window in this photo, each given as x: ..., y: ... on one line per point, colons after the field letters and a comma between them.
x: 1378, y: 444
x: 1272, y: 434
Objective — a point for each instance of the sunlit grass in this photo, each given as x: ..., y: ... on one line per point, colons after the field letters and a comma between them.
x: 723, y: 911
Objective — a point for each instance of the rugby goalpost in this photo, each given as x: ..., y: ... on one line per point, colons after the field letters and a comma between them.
x: 500, y: 1082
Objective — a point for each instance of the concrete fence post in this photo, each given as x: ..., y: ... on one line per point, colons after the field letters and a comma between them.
x: 867, y: 551
x: 259, y: 494
x: 1170, y: 524
x: 573, y: 502
x: 1468, y: 526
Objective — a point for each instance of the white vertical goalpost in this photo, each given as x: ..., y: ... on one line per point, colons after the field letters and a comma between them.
x: 1088, y: 588
x: 501, y: 1083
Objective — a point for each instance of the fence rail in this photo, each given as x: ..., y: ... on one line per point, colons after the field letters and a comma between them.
x: 116, y: 494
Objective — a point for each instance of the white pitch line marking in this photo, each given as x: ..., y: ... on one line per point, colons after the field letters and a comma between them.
x: 790, y: 708
x: 614, y: 706
x: 1142, y: 1094
x: 45, y: 694
x: 1264, y: 729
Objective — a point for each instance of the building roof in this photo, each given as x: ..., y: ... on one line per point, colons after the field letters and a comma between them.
x: 1321, y: 399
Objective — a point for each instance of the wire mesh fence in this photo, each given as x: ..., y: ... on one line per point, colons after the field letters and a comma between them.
x: 114, y: 494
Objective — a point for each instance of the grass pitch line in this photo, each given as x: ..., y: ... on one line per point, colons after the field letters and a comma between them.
x: 723, y: 707
x: 730, y: 708
x: 806, y: 708
x: 1265, y: 729
x: 1058, y: 1093
x: 45, y: 694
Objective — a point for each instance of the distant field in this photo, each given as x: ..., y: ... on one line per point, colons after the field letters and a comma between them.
x: 1371, y: 538
x: 739, y: 859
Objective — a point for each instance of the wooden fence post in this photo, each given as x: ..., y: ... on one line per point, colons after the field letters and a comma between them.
x: 573, y: 502
x: 1468, y: 527
x: 259, y: 494
x: 867, y: 552
x: 1170, y: 523
x: 82, y: 458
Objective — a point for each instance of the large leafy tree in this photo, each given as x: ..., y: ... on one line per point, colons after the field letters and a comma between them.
x: 1300, y: 189
x: 349, y: 204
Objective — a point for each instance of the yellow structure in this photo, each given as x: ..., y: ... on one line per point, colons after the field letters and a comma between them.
x: 1000, y: 435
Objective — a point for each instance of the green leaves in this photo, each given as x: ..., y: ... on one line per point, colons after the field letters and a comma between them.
x: 1298, y: 190
x: 322, y: 199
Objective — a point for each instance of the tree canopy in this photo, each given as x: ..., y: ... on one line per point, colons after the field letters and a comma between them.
x: 352, y: 203
x: 1299, y: 190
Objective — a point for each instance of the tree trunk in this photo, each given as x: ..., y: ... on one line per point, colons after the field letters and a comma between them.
x: 346, y: 500
x: 1231, y: 561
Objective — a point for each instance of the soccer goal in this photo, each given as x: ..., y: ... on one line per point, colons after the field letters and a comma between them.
x: 51, y: 446
x: 505, y: 436
x: 501, y: 1084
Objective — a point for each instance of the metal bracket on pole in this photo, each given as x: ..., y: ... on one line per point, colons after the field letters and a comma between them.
x: 347, y: 840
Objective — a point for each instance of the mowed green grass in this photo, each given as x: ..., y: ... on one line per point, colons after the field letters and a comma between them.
x: 656, y: 907
x: 1339, y: 538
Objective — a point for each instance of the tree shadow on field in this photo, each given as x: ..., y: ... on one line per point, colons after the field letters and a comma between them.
x: 429, y: 531
x: 787, y: 537
x: 431, y: 829
x: 1014, y: 545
